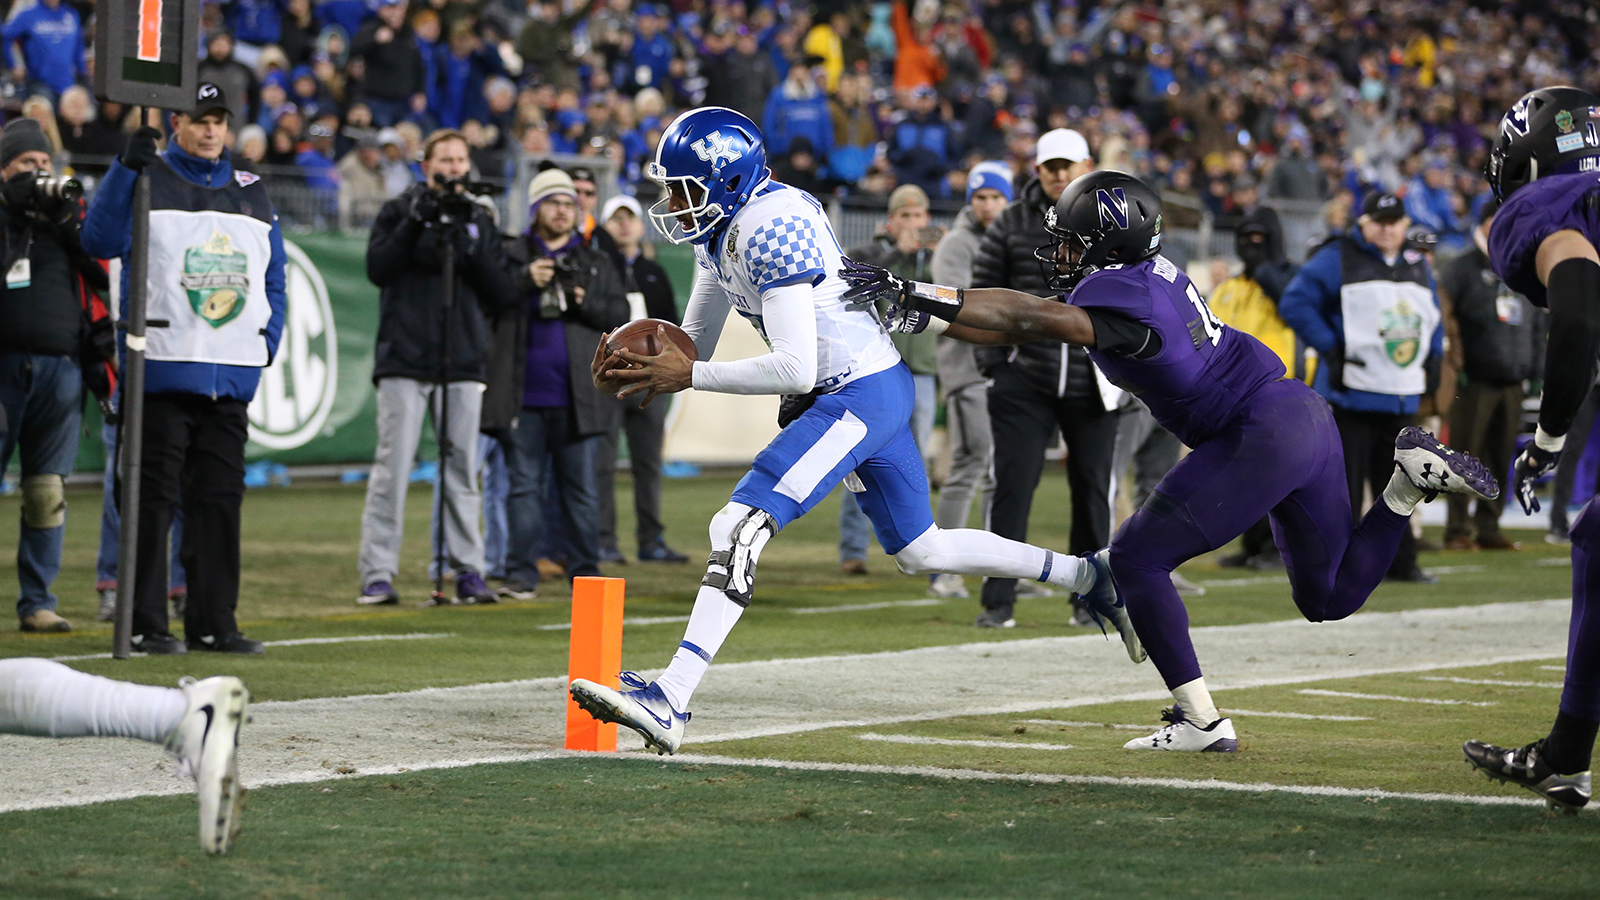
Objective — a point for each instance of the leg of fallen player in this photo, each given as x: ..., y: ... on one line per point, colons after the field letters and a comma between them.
x: 197, y: 722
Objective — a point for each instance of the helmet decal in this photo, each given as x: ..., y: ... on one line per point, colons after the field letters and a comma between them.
x: 717, y: 150
x: 1050, y: 218
x: 1113, y: 205
x: 1516, y: 121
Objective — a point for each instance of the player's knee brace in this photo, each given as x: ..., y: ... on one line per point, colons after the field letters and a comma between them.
x: 44, y: 501
x: 925, y: 554
x: 738, y: 532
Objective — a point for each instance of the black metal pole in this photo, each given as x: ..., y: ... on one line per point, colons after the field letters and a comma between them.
x: 442, y: 431
x: 130, y: 433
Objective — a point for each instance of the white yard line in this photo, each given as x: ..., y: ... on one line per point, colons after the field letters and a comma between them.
x: 1295, y: 715
x: 1428, y: 700
x: 950, y: 742
x: 805, y: 610
x: 311, y: 740
x: 1491, y: 681
x: 1066, y: 723
x: 647, y: 620
x: 302, y: 642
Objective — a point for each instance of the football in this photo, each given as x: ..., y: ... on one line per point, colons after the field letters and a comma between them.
x: 640, y: 337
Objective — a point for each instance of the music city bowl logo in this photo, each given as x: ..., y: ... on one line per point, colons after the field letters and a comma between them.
x: 297, y: 391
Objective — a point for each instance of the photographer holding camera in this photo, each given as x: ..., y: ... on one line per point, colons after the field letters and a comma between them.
x: 43, y: 303
x: 423, y: 347
x: 540, y: 404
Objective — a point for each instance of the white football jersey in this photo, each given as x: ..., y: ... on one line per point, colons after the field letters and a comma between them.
x: 782, y: 237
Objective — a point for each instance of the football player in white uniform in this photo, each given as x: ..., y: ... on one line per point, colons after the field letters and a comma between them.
x: 197, y: 722
x: 766, y: 250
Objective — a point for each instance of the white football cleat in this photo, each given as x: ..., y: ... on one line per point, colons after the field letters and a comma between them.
x: 1437, y: 469
x: 1181, y: 734
x: 206, y: 743
x: 1104, y: 603
x: 645, y: 709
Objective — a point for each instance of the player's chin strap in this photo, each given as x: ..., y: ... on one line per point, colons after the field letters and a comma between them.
x: 733, y: 570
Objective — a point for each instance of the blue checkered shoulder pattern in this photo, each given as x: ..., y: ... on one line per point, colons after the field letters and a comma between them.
x: 784, y: 251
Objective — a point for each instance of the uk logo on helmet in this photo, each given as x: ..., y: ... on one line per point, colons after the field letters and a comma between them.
x: 1113, y: 205
x: 716, y: 149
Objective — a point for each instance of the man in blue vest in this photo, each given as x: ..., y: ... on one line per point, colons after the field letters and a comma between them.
x: 216, y: 307
x: 1368, y: 306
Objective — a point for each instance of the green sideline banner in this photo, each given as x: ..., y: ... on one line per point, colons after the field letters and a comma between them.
x: 316, y: 404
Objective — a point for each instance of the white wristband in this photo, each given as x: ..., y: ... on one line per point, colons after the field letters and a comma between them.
x: 936, y: 325
x: 1547, y: 443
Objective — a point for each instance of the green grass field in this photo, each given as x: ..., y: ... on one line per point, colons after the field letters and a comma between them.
x: 1033, y: 797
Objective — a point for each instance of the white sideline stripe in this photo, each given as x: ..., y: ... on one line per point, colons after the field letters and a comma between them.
x: 302, y: 642
x: 1543, y: 684
x: 856, y: 607
x: 1315, y: 692
x: 1181, y: 784
x: 1070, y: 724
x: 950, y: 742
x: 803, y: 611
x: 1295, y: 715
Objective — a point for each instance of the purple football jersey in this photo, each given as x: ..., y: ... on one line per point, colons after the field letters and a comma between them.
x: 1536, y: 211
x: 1204, y: 372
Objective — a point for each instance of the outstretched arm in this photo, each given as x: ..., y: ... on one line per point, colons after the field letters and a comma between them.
x: 1021, y: 317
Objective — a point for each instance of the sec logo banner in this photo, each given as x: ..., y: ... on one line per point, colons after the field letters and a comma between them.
x: 297, y: 390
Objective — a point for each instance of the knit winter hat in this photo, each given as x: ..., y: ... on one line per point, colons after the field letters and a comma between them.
x: 21, y: 136
x: 549, y: 183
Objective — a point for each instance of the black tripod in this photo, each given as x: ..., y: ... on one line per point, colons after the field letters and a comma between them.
x: 441, y: 430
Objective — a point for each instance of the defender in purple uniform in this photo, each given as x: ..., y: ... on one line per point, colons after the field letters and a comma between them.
x: 1263, y: 444
x: 1545, y: 166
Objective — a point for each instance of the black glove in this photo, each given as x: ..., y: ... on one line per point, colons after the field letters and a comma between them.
x: 875, y: 283
x: 1533, y: 464
x: 425, y: 206
x: 141, y: 149
x: 17, y: 191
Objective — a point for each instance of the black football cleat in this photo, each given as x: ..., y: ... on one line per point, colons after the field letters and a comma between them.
x: 1526, y: 766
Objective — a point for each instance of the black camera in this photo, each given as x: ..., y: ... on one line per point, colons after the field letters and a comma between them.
x: 561, y: 291
x: 48, y: 197
x: 456, y: 195
x: 54, y: 189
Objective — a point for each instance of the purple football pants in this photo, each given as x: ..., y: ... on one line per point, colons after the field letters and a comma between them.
x: 1580, y: 696
x: 1281, y: 457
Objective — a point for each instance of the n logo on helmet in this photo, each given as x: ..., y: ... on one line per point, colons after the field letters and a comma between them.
x: 716, y: 149
x: 1516, y: 121
x: 1113, y: 206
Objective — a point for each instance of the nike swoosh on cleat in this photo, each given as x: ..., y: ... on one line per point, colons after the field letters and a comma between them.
x: 664, y: 723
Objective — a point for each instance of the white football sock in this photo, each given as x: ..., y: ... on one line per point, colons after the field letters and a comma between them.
x: 1401, y: 495
x: 713, y: 616
x: 46, y: 699
x: 1195, y: 701
x: 968, y: 551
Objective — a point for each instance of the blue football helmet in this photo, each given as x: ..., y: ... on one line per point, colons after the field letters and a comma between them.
x: 711, y: 160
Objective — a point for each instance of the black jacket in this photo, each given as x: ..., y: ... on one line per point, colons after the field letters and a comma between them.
x: 47, y: 317
x: 394, y: 69
x: 604, y: 307
x: 648, y: 277
x: 1005, y: 259
x: 405, y: 261
x: 1502, y: 334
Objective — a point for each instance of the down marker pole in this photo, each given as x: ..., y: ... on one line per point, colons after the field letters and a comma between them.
x: 596, y: 655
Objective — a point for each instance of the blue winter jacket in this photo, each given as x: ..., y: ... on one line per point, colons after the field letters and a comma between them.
x: 108, y: 232
x: 1313, y: 306
x: 52, y: 44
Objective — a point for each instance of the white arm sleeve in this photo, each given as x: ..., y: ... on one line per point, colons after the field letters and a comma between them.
x: 789, y: 317
x: 708, y: 309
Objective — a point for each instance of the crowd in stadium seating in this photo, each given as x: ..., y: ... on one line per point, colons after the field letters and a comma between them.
x: 1227, y: 103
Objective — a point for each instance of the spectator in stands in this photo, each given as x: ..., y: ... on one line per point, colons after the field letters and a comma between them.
x: 256, y: 24
x: 742, y: 79
x: 587, y: 189
x: 539, y: 380
x: 39, y: 109
x: 75, y: 122
x: 1431, y: 201
x: 314, y: 156
x: 50, y: 35
x: 236, y: 79
x: 393, y: 70
x: 397, y: 174
x: 404, y: 260
x: 916, y: 62
x: 652, y: 53
x: 798, y: 108
x: 1502, y: 340
x: 1295, y: 174
x: 966, y: 391
x: 1035, y: 387
x: 309, y: 95
x: 1392, y: 319
x: 798, y: 167
x: 649, y: 293
x: 545, y: 43
x: 299, y: 27
x: 921, y: 144
x: 346, y: 15
x: 464, y: 69
x: 361, y: 189
x: 825, y: 41
x: 1249, y: 302
x: 905, y: 248
x: 249, y: 149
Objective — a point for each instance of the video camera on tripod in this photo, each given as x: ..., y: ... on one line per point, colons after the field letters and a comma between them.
x: 452, y: 199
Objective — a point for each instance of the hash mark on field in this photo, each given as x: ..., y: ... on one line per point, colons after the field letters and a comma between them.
x: 1245, y: 582
x: 856, y: 607
x: 1554, y: 668
x: 1295, y: 715
x: 302, y: 642
x: 1491, y: 681
x: 1315, y: 692
x: 1454, y: 570
x: 1068, y: 724
x: 948, y: 742
x: 1553, y: 561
